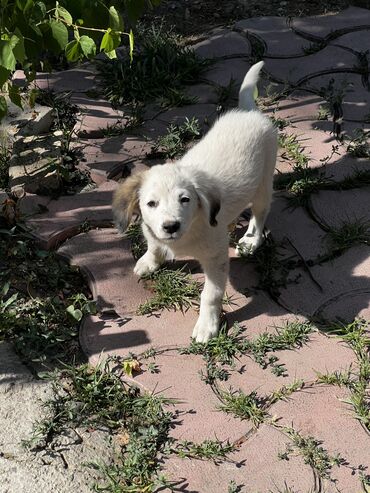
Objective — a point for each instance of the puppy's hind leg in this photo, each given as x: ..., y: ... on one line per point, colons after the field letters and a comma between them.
x: 261, y: 203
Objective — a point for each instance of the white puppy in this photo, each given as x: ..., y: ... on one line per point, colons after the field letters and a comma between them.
x: 186, y: 206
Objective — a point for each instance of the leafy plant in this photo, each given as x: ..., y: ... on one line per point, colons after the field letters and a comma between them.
x: 158, y: 71
x: 173, y: 144
x: 173, y: 289
x: 29, y: 29
x: 4, y: 161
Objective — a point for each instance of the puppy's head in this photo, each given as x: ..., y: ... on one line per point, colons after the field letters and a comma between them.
x: 168, y: 198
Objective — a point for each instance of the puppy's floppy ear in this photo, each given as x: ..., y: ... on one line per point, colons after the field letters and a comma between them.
x: 126, y: 201
x: 210, y: 201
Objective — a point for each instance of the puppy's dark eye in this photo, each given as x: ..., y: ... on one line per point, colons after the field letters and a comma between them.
x: 152, y: 203
x: 183, y: 200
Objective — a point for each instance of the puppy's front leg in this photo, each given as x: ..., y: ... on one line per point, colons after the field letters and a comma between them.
x: 152, y: 259
x: 216, y: 271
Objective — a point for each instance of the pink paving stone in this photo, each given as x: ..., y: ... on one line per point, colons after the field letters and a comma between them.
x: 294, y: 70
x: 199, y: 418
x: 295, y: 224
x: 204, y: 93
x: 67, y: 214
x: 96, y: 116
x: 337, y: 207
x: 297, y: 107
x: 343, y: 278
x: 222, y: 42
x: 152, y: 129
x: 356, y: 97
x: 323, y: 25
x: 321, y: 413
x: 345, y: 165
x: 108, y: 334
x: 77, y: 80
x: 205, y: 113
x: 102, y: 156
x: 355, y: 40
x: 109, y: 264
x: 136, y: 146
x: 225, y: 71
x: 320, y: 354
x: 279, y: 39
x: 256, y: 467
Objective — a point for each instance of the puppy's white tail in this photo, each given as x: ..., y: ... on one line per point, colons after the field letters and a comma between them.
x: 246, y: 93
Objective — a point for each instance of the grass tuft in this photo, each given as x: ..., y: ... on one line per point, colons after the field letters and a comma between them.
x: 244, y: 406
x: 160, y: 68
x: 173, y: 290
x: 214, y: 450
x: 173, y: 144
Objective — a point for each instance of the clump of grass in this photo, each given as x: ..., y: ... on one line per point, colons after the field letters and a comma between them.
x: 356, y: 336
x: 349, y: 234
x: 292, y: 335
x: 173, y: 144
x: 173, y: 290
x: 312, y: 453
x: 40, y: 300
x: 97, y: 397
x: 221, y: 352
x: 251, y: 407
x: 71, y: 178
x: 359, y: 146
x: 338, y: 378
x: 286, y: 391
x: 225, y: 95
x: 293, y: 150
x: 160, y: 67
x: 214, y: 450
x: 138, y: 243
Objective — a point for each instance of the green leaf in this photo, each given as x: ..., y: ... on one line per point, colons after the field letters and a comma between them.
x: 5, y: 288
x: 38, y: 12
x: 15, y: 96
x: 18, y: 50
x: 58, y: 36
x: 134, y: 9
x: 73, y: 51
x: 110, y: 42
x: 7, y: 58
x: 4, y: 76
x: 74, y: 312
x: 64, y: 14
x: 28, y: 7
x: 131, y: 40
x: 115, y: 20
x: 88, y: 46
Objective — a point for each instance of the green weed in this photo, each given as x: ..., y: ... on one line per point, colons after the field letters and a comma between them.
x: 214, y: 450
x: 138, y: 243
x: 97, y: 397
x: 349, y: 234
x: 173, y: 144
x: 160, y: 68
x: 250, y: 407
x: 312, y: 453
x: 173, y: 290
x: 359, y: 146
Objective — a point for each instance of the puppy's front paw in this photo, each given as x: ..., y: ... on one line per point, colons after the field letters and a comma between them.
x: 248, y: 245
x: 205, y: 331
x: 145, y: 266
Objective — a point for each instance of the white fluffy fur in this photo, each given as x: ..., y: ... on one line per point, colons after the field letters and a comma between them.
x: 230, y: 169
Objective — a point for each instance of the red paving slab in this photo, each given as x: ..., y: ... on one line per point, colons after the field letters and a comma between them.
x: 65, y: 216
x: 223, y: 72
x: 296, y: 70
x: 323, y: 414
x: 222, y: 43
x: 255, y: 467
x: 323, y: 25
x: 107, y: 260
x: 279, y: 39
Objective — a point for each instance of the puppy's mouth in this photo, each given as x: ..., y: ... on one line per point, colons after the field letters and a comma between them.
x: 166, y: 238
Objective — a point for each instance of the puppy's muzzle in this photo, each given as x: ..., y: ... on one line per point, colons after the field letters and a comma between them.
x: 171, y: 227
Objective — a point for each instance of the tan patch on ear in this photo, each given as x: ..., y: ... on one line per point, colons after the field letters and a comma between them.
x: 126, y: 200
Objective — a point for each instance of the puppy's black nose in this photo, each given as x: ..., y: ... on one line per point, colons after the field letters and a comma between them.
x: 171, y: 226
